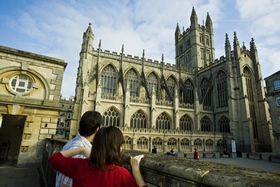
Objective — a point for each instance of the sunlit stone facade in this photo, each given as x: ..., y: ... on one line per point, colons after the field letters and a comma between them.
x: 199, y: 101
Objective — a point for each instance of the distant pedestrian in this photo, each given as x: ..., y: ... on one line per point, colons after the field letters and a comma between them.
x: 196, y: 154
x: 154, y: 150
x: 172, y: 153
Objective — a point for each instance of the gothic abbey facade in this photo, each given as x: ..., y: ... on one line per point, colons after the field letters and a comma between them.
x: 199, y: 102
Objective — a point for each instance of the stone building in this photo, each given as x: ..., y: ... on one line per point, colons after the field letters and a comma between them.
x: 199, y: 101
x: 65, y: 117
x: 273, y: 96
x: 29, y: 103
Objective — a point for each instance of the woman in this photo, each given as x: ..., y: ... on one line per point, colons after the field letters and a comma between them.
x: 196, y: 154
x: 103, y: 168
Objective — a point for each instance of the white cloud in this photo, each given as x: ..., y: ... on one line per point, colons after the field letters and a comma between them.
x: 55, y: 28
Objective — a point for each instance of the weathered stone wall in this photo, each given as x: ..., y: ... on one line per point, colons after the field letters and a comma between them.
x: 163, y: 170
x: 30, y: 87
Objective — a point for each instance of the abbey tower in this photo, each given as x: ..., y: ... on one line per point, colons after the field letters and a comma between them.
x: 199, y: 101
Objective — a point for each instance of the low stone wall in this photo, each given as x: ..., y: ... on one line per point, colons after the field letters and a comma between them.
x: 163, y: 170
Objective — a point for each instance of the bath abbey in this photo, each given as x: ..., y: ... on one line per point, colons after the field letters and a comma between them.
x: 198, y: 102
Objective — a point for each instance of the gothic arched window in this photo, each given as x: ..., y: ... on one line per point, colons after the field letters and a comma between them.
x: 203, y: 86
x: 207, y: 102
x: 111, y: 118
x: 224, y: 124
x: 188, y: 96
x: 250, y: 94
x: 157, y: 142
x: 133, y: 81
x: 198, y: 143
x: 205, y: 124
x: 142, y: 143
x: 186, y: 123
x: 209, y: 144
x: 222, y: 89
x: 172, y: 143
x: 163, y: 122
x: 185, y: 143
x: 152, y: 81
x: 171, y: 84
x: 127, y: 143
x: 138, y: 120
x: 108, y: 80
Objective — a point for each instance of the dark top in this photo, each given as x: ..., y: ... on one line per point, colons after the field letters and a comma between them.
x: 154, y: 150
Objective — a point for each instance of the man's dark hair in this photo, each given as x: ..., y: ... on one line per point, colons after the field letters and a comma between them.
x: 89, y: 123
x: 106, y: 148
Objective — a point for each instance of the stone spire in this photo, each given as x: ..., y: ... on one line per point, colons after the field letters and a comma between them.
x: 194, y: 24
x: 209, y: 24
x: 228, y: 49
x: 236, y: 46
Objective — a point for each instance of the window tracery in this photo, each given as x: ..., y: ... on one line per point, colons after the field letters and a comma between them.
x: 152, y: 81
x: 138, y: 120
x: 205, y: 124
x: 142, y: 143
x: 171, y: 85
x: 188, y: 95
x: 111, y: 118
x: 163, y: 122
x: 108, y: 80
x: 222, y: 89
x: 224, y: 124
x: 186, y: 123
x: 157, y: 142
x: 250, y: 94
x: 132, y: 77
x: 172, y: 143
x: 198, y: 143
x: 185, y: 143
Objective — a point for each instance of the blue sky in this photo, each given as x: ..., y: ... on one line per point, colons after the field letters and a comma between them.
x: 55, y: 28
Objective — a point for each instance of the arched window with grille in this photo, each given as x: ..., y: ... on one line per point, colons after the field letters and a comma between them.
x: 152, y: 80
x: 186, y: 123
x: 111, y: 118
x: 209, y: 144
x: 172, y: 143
x: 185, y: 144
x: 205, y: 124
x: 108, y: 80
x: 171, y: 84
x: 132, y: 77
x: 250, y: 94
x: 163, y: 122
x: 224, y: 124
x: 127, y: 143
x: 157, y: 142
x: 142, y: 143
x: 188, y: 94
x: 198, y: 143
x: 222, y: 89
x: 138, y: 120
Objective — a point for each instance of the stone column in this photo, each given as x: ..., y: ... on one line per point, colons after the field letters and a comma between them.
x: 126, y: 105
x: 153, y: 109
x: 176, y: 110
x: 179, y: 145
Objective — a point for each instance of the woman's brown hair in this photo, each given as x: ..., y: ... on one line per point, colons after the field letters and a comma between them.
x: 106, y: 148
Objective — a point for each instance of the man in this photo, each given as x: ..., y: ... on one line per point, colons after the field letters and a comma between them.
x: 89, y: 125
x: 154, y: 150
